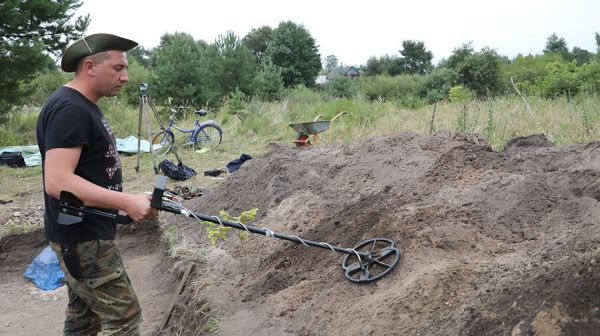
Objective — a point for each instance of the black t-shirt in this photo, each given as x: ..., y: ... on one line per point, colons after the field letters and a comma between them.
x: 67, y: 120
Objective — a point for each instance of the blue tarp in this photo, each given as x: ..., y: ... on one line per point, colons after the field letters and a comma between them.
x: 32, y: 155
x: 130, y: 145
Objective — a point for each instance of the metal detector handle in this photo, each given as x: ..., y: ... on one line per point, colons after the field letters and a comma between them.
x: 157, y: 197
x: 123, y: 219
x: 159, y: 191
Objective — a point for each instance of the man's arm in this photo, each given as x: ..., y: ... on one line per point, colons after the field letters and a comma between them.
x: 59, y: 175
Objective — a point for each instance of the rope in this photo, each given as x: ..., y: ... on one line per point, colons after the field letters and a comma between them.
x: 269, y: 233
x: 218, y: 220
x: 330, y: 247
x: 358, y: 256
x: 244, y: 226
x: 300, y: 240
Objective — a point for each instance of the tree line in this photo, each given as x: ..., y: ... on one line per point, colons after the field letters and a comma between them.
x: 267, y: 61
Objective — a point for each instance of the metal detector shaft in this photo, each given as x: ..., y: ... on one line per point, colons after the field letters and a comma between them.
x: 264, y: 232
x: 158, y: 204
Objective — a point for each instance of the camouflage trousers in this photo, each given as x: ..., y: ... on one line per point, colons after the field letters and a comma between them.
x: 104, y: 300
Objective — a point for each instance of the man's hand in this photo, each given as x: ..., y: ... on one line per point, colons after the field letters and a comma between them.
x: 138, y: 207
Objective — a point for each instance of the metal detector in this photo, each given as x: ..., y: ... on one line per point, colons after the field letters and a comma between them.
x: 368, y: 261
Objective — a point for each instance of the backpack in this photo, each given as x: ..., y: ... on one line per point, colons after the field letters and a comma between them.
x: 12, y: 159
x: 178, y: 172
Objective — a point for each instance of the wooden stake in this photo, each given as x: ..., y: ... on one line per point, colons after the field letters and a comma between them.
x: 176, y: 295
x: 432, y: 117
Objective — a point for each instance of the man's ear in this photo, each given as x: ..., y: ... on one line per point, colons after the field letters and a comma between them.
x: 88, y: 66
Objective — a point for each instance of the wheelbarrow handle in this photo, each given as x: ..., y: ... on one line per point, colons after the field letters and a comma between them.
x: 337, y: 115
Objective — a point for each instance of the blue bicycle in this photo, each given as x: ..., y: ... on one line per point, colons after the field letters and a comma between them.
x: 206, y: 134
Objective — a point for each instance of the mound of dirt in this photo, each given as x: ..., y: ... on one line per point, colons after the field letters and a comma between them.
x: 493, y: 243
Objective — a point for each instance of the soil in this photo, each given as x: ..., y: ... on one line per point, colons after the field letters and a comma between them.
x: 492, y: 243
x: 26, y: 310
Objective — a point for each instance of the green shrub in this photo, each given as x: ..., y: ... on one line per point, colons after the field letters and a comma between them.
x: 341, y: 87
x: 137, y: 74
x: 42, y: 86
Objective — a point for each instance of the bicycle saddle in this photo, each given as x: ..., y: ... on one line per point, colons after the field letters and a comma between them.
x: 200, y: 112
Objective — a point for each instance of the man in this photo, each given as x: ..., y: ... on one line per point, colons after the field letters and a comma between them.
x: 79, y: 155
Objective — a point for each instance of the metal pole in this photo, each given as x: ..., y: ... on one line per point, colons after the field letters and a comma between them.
x: 139, y: 134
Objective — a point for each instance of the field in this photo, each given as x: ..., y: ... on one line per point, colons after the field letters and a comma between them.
x: 496, y: 225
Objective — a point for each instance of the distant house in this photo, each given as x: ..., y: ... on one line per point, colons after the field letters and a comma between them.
x: 351, y: 72
x: 321, y: 79
x: 348, y: 71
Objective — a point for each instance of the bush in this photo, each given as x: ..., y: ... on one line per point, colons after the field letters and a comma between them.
x: 267, y: 84
x: 341, y: 87
x: 437, y: 84
x: 42, y: 86
x: 137, y: 75
x: 385, y: 87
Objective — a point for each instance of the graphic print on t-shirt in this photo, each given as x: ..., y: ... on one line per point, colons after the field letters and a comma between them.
x: 111, y: 152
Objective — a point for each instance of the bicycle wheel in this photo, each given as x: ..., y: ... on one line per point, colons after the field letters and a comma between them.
x: 161, y: 143
x: 208, y: 136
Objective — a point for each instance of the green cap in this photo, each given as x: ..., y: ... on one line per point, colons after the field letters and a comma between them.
x: 92, y: 44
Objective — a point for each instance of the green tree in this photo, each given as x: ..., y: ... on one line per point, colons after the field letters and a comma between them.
x: 43, y: 84
x: 437, y: 84
x: 587, y: 77
x: 267, y: 84
x: 373, y: 67
x: 341, y: 87
x: 582, y: 56
x: 234, y: 66
x: 137, y: 74
x: 416, y: 59
x: 294, y: 50
x: 555, y: 44
x: 181, y: 71
x: 331, y: 63
x: 478, y: 71
x: 31, y: 30
x: 257, y: 40
x: 141, y: 55
x: 561, y: 80
x: 384, y: 65
x: 529, y: 71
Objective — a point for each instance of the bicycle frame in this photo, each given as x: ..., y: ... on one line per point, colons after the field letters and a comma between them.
x: 198, y: 132
x: 172, y: 125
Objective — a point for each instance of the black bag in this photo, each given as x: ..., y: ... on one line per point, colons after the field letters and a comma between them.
x: 12, y: 159
x: 237, y: 163
x: 178, y: 172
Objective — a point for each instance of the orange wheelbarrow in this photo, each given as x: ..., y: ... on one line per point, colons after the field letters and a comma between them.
x: 307, y: 133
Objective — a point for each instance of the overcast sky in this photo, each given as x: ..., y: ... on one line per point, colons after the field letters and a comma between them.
x: 355, y: 30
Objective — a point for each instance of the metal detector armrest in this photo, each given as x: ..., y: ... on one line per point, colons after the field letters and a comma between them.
x: 72, y: 211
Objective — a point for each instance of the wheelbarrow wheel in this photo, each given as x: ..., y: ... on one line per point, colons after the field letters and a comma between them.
x: 302, y: 140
